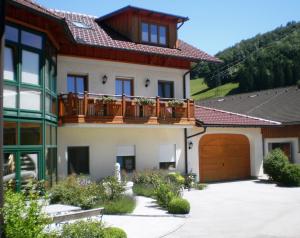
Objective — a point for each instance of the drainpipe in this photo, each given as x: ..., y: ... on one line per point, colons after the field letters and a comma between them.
x: 185, y: 129
x: 2, y: 24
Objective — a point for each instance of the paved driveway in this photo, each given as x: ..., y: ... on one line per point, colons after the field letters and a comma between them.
x: 244, y: 209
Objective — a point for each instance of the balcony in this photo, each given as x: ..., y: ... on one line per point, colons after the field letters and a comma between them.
x: 121, y: 109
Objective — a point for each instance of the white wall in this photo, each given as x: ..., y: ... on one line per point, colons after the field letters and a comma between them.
x: 295, y: 146
x: 95, y: 69
x: 255, y: 140
x: 103, y: 143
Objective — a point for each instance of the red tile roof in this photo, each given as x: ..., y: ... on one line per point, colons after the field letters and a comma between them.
x: 214, y: 117
x: 37, y: 7
x: 97, y: 36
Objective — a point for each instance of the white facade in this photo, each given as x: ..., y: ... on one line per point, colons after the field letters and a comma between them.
x: 255, y: 140
x: 105, y: 144
x: 96, y: 69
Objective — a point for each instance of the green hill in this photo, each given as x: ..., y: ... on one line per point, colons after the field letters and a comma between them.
x: 200, y: 90
x: 265, y: 61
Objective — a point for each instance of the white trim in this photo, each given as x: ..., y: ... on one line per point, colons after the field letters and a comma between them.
x: 241, y: 115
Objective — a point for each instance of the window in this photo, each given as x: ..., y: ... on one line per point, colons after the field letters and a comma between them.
x: 126, y: 157
x: 77, y: 84
x: 145, y: 32
x: 162, y: 35
x: 78, y: 160
x: 10, y: 97
x: 166, y: 89
x: 153, y: 33
x: 127, y: 163
x: 153, y: 29
x: 51, y: 165
x: 9, y: 72
x: 9, y: 168
x: 30, y: 67
x: 31, y: 39
x: 167, y: 156
x: 286, y: 147
x: 11, y: 33
x: 30, y: 133
x: 124, y: 86
x: 10, y: 133
x: 81, y: 24
x: 30, y: 99
x: 50, y: 135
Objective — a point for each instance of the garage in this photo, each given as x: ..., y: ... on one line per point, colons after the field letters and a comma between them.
x: 224, y: 157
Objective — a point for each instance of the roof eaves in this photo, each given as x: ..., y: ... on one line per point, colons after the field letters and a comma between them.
x: 242, y: 115
x: 129, y: 7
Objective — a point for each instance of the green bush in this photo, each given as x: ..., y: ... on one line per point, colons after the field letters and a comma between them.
x: 179, y: 206
x: 113, y: 188
x: 290, y: 175
x: 274, y: 163
x: 122, y: 205
x: 189, y: 180
x: 200, y: 186
x: 114, y: 232
x: 83, y: 229
x: 146, y: 190
x: 176, y: 178
x: 165, y: 192
x: 23, y: 217
x: 77, y: 191
x: 148, y: 177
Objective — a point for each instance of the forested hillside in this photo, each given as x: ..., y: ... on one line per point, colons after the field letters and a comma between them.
x: 265, y: 61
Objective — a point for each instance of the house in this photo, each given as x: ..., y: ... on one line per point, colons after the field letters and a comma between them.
x: 241, y: 129
x: 83, y: 92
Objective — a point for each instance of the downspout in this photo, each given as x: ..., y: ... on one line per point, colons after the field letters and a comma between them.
x: 185, y: 129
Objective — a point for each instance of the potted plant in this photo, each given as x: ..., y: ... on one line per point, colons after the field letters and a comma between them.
x: 146, y: 106
x: 108, y: 100
x: 175, y: 103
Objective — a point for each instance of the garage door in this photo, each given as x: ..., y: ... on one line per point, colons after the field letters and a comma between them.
x: 224, y: 157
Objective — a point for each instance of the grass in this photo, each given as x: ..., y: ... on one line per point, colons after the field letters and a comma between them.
x: 200, y: 91
x: 143, y: 190
x: 123, y: 205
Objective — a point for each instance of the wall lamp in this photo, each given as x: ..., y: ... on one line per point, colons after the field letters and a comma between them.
x: 147, y: 83
x: 104, y: 79
x: 191, y: 144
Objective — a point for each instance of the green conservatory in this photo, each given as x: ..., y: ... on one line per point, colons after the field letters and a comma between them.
x: 30, y: 107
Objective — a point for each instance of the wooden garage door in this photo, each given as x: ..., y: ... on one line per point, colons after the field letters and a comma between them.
x: 224, y: 157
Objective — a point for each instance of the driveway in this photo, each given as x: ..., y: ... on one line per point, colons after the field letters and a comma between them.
x: 243, y: 209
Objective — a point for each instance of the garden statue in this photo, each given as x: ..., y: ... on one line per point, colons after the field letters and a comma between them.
x: 118, y: 172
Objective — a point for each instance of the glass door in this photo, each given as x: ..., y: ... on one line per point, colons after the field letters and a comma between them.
x: 20, y: 167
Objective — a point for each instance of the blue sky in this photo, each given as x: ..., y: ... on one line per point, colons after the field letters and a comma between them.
x: 214, y: 24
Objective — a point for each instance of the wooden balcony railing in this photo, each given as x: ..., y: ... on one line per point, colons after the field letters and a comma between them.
x: 121, y: 109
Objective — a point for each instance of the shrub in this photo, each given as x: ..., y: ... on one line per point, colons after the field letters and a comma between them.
x: 290, y: 175
x: 200, y: 186
x: 179, y: 206
x: 176, y: 178
x: 114, y: 232
x: 165, y: 192
x: 23, y: 218
x: 82, y: 229
x: 122, y: 205
x: 113, y: 188
x: 189, y: 180
x: 146, y: 190
x: 274, y: 163
x: 148, y: 177
x: 77, y: 191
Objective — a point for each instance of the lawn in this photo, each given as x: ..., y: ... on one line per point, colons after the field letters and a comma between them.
x: 199, y: 89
